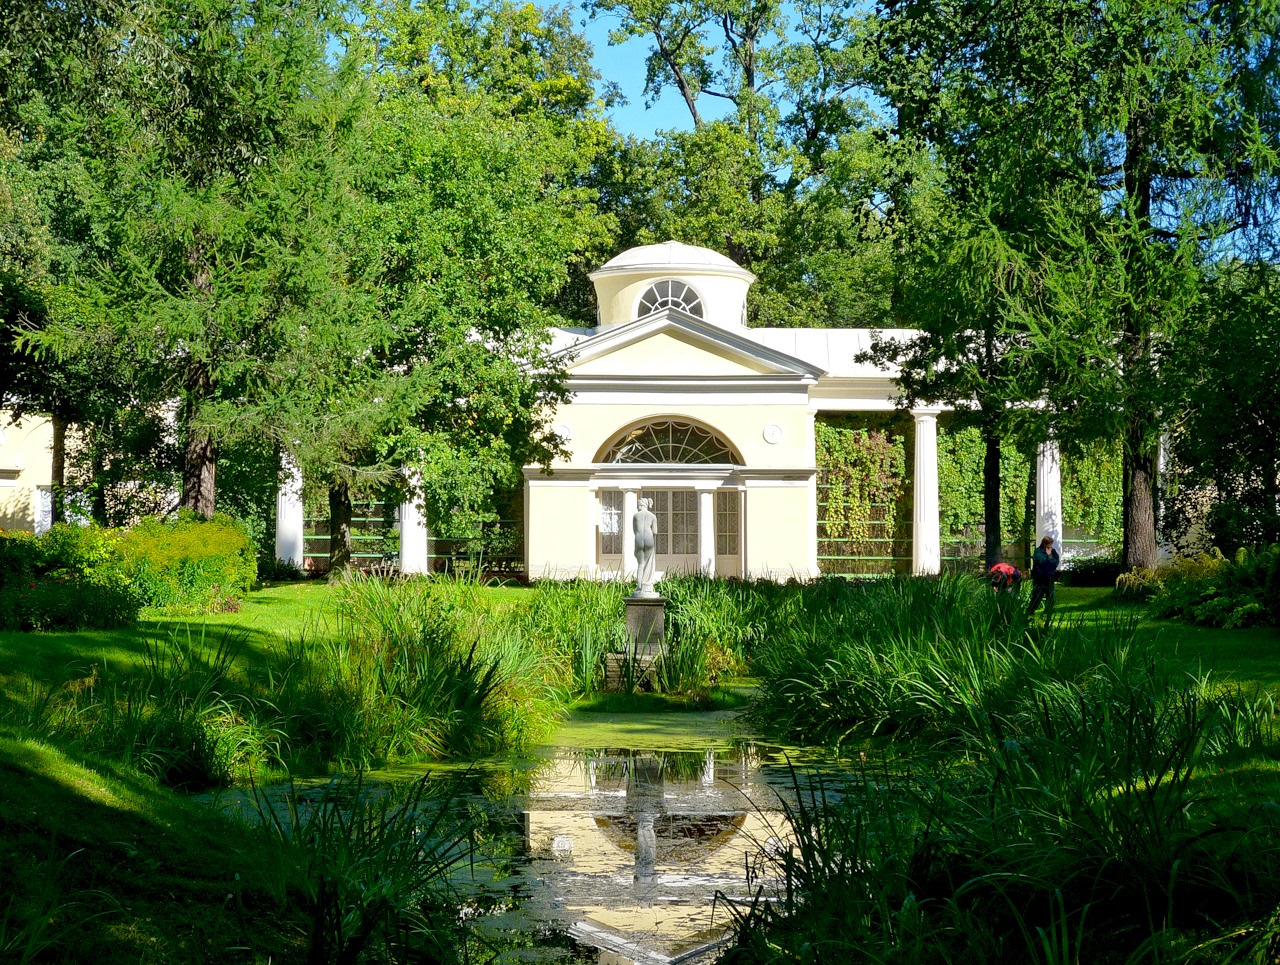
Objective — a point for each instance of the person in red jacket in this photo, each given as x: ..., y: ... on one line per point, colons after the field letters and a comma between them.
x: 1005, y: 577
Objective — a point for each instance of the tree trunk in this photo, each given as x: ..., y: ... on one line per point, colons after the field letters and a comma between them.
x: 339, y: 527
x: 200, y: 453
x: 58, y: 471
x: 991, y: 500
x: 1139, y: 501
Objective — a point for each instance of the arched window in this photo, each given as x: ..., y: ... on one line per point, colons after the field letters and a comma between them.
x: 670, y: 441
x: 670, y: 294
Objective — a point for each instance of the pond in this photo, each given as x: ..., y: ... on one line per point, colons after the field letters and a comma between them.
x: 625, y: 842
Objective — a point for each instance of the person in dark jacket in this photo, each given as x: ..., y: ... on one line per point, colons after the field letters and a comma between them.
x: 1044, y: 570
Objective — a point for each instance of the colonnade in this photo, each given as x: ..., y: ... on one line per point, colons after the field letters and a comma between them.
x: 926, y: 535
x: 926, y: 549
x: 415, y: 538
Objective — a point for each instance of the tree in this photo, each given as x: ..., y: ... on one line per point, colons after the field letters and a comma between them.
x: 477, y: 216
x: 1115, y: 147
x: 209, y: 242
x: 1176, y: 167
x: 1226, y: 447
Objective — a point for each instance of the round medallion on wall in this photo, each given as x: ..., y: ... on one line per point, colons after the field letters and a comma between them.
x: 564, y: 432
x: 772, y: 433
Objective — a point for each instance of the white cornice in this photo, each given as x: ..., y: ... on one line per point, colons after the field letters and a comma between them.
x: 619, y: 474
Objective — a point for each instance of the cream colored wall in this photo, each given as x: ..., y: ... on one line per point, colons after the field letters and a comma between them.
x: 781, y: 536
x: 667, y: 353
x: 593, y: 425
x: 723, y: 297
x: 560, y: 530
x: 25, y: 465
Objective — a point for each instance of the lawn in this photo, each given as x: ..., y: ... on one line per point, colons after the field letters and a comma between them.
x: 1248, y: 657
x: 275, y: 614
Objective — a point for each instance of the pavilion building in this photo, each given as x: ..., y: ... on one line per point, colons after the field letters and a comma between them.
x: 674, y: 398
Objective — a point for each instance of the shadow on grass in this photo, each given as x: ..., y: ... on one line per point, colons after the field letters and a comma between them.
x: 1246, y: 657
x: 260, y: 628
x: 138, y: 873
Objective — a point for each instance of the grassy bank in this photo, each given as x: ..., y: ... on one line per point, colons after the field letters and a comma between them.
x: 1021, y: 783
x: 1082, y: 790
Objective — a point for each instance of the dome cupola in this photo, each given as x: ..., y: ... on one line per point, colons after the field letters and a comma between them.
x: 651, y: 278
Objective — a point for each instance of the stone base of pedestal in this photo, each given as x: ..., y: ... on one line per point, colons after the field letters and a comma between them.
x: 646, y: 630
x: 626, y: 673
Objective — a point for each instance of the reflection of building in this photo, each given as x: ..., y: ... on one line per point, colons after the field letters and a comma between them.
x: 631, y: 847
x: 26, y: 449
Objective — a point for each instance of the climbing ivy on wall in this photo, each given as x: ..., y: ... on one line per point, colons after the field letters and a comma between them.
x: 864, y: 475
x: 960, y: 457
x: 1092, y: 492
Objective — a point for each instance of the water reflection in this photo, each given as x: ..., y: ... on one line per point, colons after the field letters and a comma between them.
x: 636, y: 852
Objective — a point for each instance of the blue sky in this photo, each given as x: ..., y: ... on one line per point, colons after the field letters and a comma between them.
x: 624, y: 65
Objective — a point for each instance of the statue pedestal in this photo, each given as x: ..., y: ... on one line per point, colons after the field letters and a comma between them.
x: 646, y: 629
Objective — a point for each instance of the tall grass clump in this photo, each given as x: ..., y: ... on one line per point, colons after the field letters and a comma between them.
x: 710, y: 629
x: 574, y: 624
x: 1064, y: 812
x: 181, y: 718
x: 415, y: 671
x: 371, y: 870
x: 896, y: 656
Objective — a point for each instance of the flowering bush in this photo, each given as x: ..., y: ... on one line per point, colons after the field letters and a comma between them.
x: 189, y: 564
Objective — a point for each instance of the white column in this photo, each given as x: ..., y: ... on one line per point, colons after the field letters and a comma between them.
x: 415, y: 541
x: 630, y: 503
x: 707, y: 532
x: 1048, y: 494
x: 590, y: 568
x: 289, y: 516
x: 926, y: 537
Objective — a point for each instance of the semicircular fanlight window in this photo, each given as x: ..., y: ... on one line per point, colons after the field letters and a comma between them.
x: 670, y: 294
x: 671, y: 441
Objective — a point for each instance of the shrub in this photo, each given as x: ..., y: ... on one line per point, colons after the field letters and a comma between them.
x: 1213, y: 591
x: 65, y: 579
x: 189, y: 564
x: 1101, y: 570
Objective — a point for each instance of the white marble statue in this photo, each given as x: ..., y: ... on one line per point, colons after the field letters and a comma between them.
x: 645, y: 526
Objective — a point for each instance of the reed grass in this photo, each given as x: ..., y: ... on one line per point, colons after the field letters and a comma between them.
x: 370, y: 869
x: 1054, y: 807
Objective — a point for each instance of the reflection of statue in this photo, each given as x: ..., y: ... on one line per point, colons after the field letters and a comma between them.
x: 645, y: 796
x: 645, y: 526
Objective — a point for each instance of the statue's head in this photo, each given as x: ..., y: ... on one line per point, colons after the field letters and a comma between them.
x: 646, y: 503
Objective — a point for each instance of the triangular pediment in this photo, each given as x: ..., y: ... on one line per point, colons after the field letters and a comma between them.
x: 671, y: 344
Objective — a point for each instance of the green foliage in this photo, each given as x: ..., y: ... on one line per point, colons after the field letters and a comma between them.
x: 1070, y: 778
x: 67, y: 578
x: 1211, y: 590
x: 188, y: 564
x: 371, y: 868
x: 86, y: 576
x: 1138, y: 583
x: 861, y: 469
x: 180, y: 720
x: 418, y: 670
x: 960, y: 484
x: 897, y: 656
